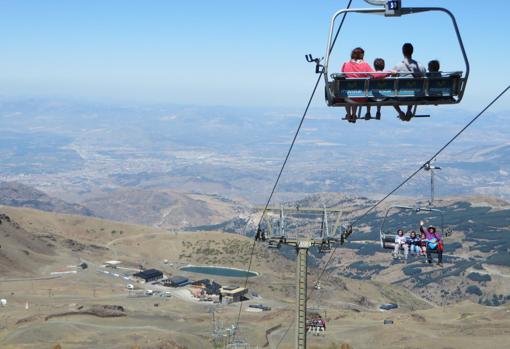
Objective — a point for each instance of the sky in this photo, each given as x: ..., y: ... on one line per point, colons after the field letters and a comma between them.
x: 224, y: 52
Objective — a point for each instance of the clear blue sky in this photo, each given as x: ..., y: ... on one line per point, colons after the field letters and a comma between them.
x: 224, y: 52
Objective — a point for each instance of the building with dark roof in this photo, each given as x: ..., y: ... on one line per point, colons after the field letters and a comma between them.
x: 177, y: 281
x: 209, y: 287
x: 149, y: 275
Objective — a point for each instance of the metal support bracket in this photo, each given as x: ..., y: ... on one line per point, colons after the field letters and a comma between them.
x: 318, y: 66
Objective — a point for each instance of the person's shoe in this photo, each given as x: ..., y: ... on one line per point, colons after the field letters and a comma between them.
x: 430, y: 262
x: 440, y: 265
x: 368, y: 116
x: 378, y: 116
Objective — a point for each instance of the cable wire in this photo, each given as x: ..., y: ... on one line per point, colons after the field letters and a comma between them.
x: 358, y: 219
x: 434, y: 156
x: 286, y: 160
x: 278, y: 178
x: 275, y: 185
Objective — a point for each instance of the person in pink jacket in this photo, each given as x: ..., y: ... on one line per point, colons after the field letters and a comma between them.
x: 356, y: 68
x: 434, y: 243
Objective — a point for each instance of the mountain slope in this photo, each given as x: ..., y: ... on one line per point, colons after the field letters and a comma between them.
x: 161, y: 208
x: 20, y: 195
x: 20, y: 251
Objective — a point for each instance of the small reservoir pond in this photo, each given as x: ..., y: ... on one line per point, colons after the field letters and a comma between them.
x: 220, y: 271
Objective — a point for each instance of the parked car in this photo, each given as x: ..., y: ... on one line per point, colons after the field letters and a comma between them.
x: 388, y: 306
x: 260, y: 306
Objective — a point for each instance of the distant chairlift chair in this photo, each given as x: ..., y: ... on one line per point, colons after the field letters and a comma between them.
x: 387, y: 237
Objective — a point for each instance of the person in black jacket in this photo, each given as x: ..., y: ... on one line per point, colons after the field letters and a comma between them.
x: 414, y: 243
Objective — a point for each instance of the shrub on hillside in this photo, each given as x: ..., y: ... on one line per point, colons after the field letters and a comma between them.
x: 453, y: 246
x: 472, y: 289
x: 411, y: 270
x: 501, y: 258
x: 362, y: 266
x: 479, y: 277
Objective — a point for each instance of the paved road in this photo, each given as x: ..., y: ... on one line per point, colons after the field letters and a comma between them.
x: 32, y: 279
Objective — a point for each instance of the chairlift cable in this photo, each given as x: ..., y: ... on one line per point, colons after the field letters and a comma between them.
x: 274, y: 189
x: 433, y: 156
x: 285, y: 333
x: 323, y: 271
x: 283, y: 167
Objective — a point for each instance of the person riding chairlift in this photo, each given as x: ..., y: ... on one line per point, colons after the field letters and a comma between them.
x: 434, y: 243
x: 408, y: 68
x: 400, y: 242
x: 356, y: 68
x: 423, y: 244
x: 414, y: 243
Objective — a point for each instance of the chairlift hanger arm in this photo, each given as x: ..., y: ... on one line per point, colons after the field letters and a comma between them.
x: 413, y: 209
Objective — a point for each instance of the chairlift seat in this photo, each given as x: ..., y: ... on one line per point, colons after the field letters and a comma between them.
x: 388, y: 241
x: 426, y: 90
x: 272, y: 244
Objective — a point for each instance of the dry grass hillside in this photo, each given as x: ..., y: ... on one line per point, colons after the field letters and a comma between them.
x: 20, y: 195
x: 21, y: 252
x: 59, y: 307
x: 161, y: 208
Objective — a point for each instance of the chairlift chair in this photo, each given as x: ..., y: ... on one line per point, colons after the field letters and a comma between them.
x: 401, y: 90
x: 387, y: 237
x: 325, y: 246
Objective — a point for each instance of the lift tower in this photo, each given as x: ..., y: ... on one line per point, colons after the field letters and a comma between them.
x: 302, y: 244
x: 429, y: 167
